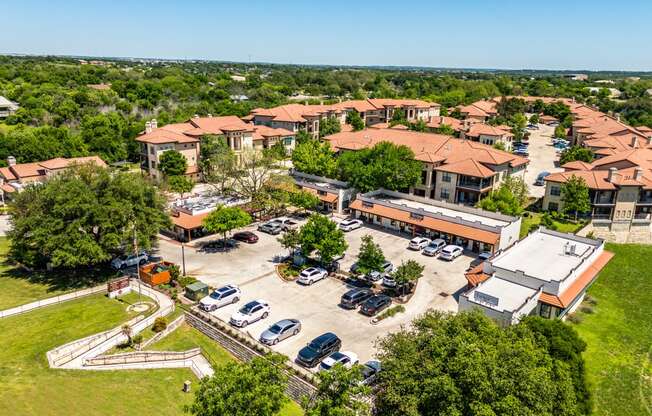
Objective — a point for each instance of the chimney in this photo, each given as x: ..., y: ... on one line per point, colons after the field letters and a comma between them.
x: 11, y: 161
x: 148, y: 127
x: 154, y: 124
x: 305, y: 102
x: 195, y: 116
x: 638, y: 173
x: 634, y: 142
x: 210, y: 115
x: 612, y: 175
x: 617, y: 116
x: 649, y: 140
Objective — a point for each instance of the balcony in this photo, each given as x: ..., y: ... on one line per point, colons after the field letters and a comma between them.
x: 474, y: 184
x: 643, y: 217
x: 644, y: 199
x: 601, y: 218
x: 604, y: 198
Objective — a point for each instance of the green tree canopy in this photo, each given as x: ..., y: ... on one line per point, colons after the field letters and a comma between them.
x: 465, y: 364
x: 407, y: 274
x: 385, y: 165
x: 575, y: 196
x: 338, y: 394
x: 502, y: 200
x: 573, y: 153
x: 370, y: 256
x: 83, y: 216
x: 354, y: 120
x: 445, y: 129
x: 328, y: 126
x: 225, y: 219
x: 534, y: 119
x: 104, y: 135
x: 322, y: 235
x: 217, y: 163
x: 290, y: 240
x: 315, y: 158
x: 180, y: 184
x: 256, y: 387
x: 173, y: 163
x: 304, y: 200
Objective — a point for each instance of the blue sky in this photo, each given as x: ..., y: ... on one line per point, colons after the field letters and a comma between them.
x: 544, y: 34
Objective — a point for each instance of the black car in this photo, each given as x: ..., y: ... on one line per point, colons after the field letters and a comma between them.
x: 320, y: 347
x: 352, y: 298
x: 375, y: 304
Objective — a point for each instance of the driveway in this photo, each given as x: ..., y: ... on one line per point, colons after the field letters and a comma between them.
x: 251, y: 267
x: 542, y: 158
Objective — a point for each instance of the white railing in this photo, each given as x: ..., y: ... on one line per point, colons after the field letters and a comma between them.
x: 142, y: 357
x: 52, y: 301
x: 171, y: 327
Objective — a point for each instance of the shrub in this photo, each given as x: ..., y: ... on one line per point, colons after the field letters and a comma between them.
x: 590, y: 300
x: 160, y: 324
x: 586, y: 309
x: 575, y: 318
x: 391, y: 312
x: 186, y: 280
x: 137, y: 339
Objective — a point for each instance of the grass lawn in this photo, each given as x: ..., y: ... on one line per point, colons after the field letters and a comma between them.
x: 619, y: 334
x: 534, y: 218
x: 18, y: 287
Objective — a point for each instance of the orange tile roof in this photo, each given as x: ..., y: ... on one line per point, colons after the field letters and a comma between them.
x: 189, y: 222
x: 476, y: 275
x: 8, y: 188
x: 460, y: 230
x: 467, y: 167
x: 594, y: 179
x: 7, y: 174
x: 62, y: 163
x: 262, y: 131
x: 170, y: 133
x: 576, y: 165
x: 581, y: 282
x: 436, y: 122
x: 30, y: 170
x: 218, y: 125
x: 478, y: 129
x: 329, y: 197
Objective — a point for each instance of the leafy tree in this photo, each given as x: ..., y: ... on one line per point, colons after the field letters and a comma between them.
x: 370, y: 256
x: 465, y: 364
x: 354, y: 120
x: 83, y: 216
x: 302, y: 137
x: 173, y: 163
x: 534, y: 119
x: 385, y: 165
x: 315, y: 158
x: 180, y: 184
x: 322, y: 235
x: 225, y: 219
x: 502, y: 200
x: 517, y: 187
x: 290, y: 240
x: 407, y: 274
x: 304, y: 200
x: 328, y: 126
x: 217, y: 162
x: 104, y: 135
x: 509, y: 107
x: 276, y: 151
x: 398, y: 117
x: 251, y: 174
x: 575, y: 196
x: 560, y: 132
x: 256, y: 387
x: 573, y: 153
x: 420, y: 126
x: 445, y: 129
x: 338, y: 394
x: 499, y: 146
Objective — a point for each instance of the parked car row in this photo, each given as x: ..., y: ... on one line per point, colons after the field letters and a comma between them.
x: 370, y: 304
x: 130, y: 260
x: 437, y: 247
x: 278, y: 225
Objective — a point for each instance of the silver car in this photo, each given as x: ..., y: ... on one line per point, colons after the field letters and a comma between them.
x: 279, y: 331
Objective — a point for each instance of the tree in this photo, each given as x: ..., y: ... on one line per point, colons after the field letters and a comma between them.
x: 256, y: 387
x: 180, y: 184
x: 104, y: 135
x: 338, y: 393
x: 502, y: 200
x: 173, y: 163
x: 303, y: 136
x: 420, y: 126
x: 83, y: 216
x: 328, y: 126
x: 385, y: 165
x: 217, y: 162
x: 290, y: 240
x: 252, y: 173
x: 534, y: 119
x: 315, y: 158
x: 573, y: 153
x: 517, y: 187
x: 407, y: 274
x: 560, y: 132
x: 225, y: 219
x: 499, y: 146
x: 370, y: 256
x: 127, y: 331
x: 575, y: 196
x: 398, y: 117
x: 276, y: 152
x: 445, y: 129
x: 354, y: 120
x: 322, y: 235
x: 304, y: 200
x: 465, y: 364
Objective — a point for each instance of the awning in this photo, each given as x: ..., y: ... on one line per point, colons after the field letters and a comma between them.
x: 328, y: 197
x: 443, y: 226
x: 189, y: 222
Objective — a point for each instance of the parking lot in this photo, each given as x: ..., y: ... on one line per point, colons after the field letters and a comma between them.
x: 542, y: 158
x: 252, y: 268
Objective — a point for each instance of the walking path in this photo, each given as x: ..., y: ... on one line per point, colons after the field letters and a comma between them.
x: 87, y: 353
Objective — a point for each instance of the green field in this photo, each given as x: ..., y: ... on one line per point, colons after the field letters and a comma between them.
x: 534, y: 218
x: 619, y: 334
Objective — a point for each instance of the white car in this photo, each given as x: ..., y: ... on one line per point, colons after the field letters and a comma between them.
x: 418, y: 243
x: 225, y: 295
x: 311, y: 275
x: 347, y: 358
x: 350, y: 225
x: 128, y: 260
x: 389, y: 281
x: 286, y: 223
x: 450, y: 252
x: 250, y: 312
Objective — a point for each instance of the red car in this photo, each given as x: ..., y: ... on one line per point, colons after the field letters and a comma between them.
x: 246, y: 236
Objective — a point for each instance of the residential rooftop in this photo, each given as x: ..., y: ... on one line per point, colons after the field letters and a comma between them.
x: 500, y: 295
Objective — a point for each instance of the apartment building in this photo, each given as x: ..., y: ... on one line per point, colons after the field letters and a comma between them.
x: 334, y: 196
x: 186, y: 137
x: 434, y: 123
x: 454, y: 170
x: 620, y: 189
x: 490, y: 135
x: 7, y: 107
x: 472, y: 228
x: 479, y: 111
x: 545, y: 274
x: 296, y: 117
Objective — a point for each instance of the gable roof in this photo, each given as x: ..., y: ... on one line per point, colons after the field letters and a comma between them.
x: 29, y: 170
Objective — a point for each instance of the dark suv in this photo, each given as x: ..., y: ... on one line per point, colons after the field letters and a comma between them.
x: 375, y: 304
x: 320, y: 347
x: 352, y: 298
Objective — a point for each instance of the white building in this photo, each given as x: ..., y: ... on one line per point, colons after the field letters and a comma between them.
x: 546, y: 274
x: 335, y: 196
x: 7, y: 107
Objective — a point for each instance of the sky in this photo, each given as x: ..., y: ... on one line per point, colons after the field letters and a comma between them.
x: 501, y: 34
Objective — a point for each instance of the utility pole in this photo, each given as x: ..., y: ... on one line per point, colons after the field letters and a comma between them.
x: 137, y: 263
x: 183, y: 257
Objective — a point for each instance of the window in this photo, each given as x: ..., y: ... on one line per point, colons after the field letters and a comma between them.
x: 367, y: 204
x: 419, y: 192
x: 416, y: 216
x: 555, y: 190
x: 424, y: 177
x: 553, y: 206
x: 544, y: 310
x: 444, y: 194
x: 446, y: 177
x: 320, y: 192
